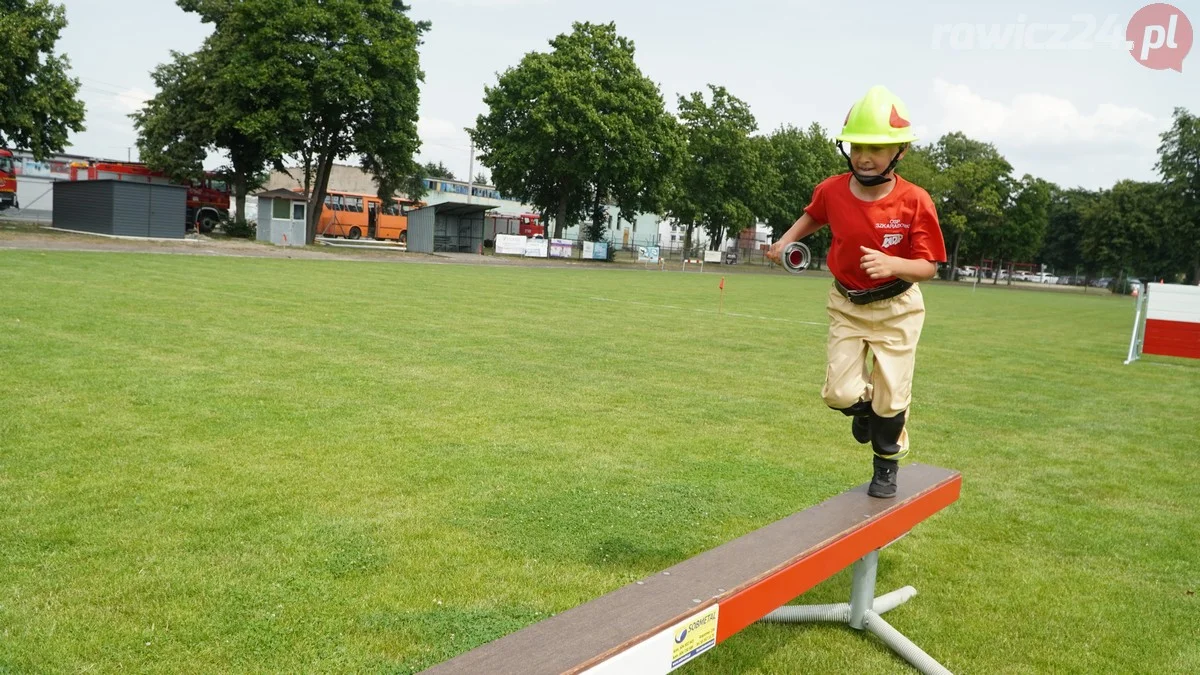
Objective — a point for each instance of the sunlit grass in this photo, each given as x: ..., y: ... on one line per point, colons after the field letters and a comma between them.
x: 229, y: 464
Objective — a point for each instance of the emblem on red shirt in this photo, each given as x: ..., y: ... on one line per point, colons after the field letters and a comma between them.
x: 892, y: 239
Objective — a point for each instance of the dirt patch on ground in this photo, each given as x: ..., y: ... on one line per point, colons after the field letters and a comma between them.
x: 36, y: 237
x: 30, y: 236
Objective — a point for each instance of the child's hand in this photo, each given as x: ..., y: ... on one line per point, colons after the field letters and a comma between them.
x: 876, y: 264
x: 775, y: 252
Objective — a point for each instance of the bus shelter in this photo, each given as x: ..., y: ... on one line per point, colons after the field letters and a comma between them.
x: 449, y: 227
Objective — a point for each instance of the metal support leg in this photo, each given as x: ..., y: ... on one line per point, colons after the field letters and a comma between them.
x: 863, y: 613
x: 862, y: 590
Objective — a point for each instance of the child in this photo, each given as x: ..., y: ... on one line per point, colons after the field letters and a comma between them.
x: 886, y: 238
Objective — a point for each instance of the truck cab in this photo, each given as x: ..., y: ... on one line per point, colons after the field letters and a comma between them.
x: 8, y: 181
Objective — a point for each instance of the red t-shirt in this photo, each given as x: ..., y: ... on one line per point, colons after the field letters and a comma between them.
x: 902, y: 224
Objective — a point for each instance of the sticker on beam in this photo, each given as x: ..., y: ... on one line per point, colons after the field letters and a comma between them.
x: 666, y: 650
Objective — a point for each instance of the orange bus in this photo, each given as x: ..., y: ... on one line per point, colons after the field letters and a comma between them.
x: 353, y: 216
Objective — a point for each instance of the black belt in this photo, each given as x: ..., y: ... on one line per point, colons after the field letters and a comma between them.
x: 888, y: 290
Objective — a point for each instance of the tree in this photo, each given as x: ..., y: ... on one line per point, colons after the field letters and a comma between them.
x: 1020, y: 235
x: 439, y: 170
x: 577, y: 128
x: 39, y: 105
x: 344, y: 75
x: 919, y: 168
x: 203, y: 105
x: 1179, y: 166
x: 1122, y: 227
x: 171, y: 137
x: 1062, y: 246
x: 795, y: 161
x: 481, y: 179
x: 721, y: 182
x: 972, y: 189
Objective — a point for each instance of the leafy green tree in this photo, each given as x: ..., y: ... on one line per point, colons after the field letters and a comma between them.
x: 794, y: 161
x: 1122, y: 228
x: 1062, y: 247
x: 1179, y: 166
x: 918, y: 167
x: 342, y: 76
x: 972, y: 189
x: 39, y: 104
x: 202, y: 107
x: 577, y: 128
x: 1020, y: 234
x: 172, y: 138
x: 721, y: 182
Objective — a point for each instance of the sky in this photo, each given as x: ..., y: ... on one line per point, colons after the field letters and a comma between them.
x: 1053, y: 85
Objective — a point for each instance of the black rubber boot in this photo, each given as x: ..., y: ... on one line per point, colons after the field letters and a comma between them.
x: 885, y: 435
x: 883, y: 483
x: 885, y: 441
x: 860, y: 424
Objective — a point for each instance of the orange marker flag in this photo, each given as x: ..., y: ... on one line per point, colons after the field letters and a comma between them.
x: 722, y: 286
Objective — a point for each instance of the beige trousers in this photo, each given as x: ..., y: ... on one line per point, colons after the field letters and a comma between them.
x: 888, y: 330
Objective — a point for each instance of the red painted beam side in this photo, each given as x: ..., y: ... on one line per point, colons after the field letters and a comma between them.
x: 768, y: 593
x: 1172, y: 338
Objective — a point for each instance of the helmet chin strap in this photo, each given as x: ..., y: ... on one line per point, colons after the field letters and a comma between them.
x: 872, y: 181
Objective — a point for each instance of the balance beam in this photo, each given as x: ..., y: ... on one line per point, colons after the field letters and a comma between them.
x: 661, y: 622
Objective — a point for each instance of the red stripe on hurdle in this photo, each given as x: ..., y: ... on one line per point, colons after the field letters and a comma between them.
x: 780, y: 586
x: 1172, y: 338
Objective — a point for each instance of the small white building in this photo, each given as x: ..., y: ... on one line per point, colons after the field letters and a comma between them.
x: 282, y: 217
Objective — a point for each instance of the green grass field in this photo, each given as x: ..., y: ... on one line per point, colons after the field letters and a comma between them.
x: 265, y: 465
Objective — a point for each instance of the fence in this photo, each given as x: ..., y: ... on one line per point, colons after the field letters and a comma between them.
x: 669, y: 254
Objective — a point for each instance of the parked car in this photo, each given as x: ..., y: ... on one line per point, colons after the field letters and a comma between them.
x: 1128, y: 287
x: 1043, y: 278
x: 965, y: 271
x: 1102, y: 282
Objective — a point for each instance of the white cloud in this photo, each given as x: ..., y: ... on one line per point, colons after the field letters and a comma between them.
x: 433, y: 130
x: 1050, y: 137
x: 1035, y: 118
x: 492, y: 3
x: 132, y: 100
x: 446, y: 142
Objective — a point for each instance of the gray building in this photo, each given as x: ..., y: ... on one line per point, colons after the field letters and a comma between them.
x: 281, y: 217
x: 447, y: 227
x: 121, y: 208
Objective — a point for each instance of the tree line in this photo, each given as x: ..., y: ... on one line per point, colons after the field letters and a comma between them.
x: 575, y: 130
x: 579, y: 127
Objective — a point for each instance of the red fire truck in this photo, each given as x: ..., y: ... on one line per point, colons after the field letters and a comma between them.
x: 8, y: 181
x: 530, y: 225
x: 207, y: 200
x: 526, y: 225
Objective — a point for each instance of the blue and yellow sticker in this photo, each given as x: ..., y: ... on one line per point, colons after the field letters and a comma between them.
x: 694, y: 636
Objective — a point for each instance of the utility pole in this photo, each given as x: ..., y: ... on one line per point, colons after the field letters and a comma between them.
x: 471, y: 172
